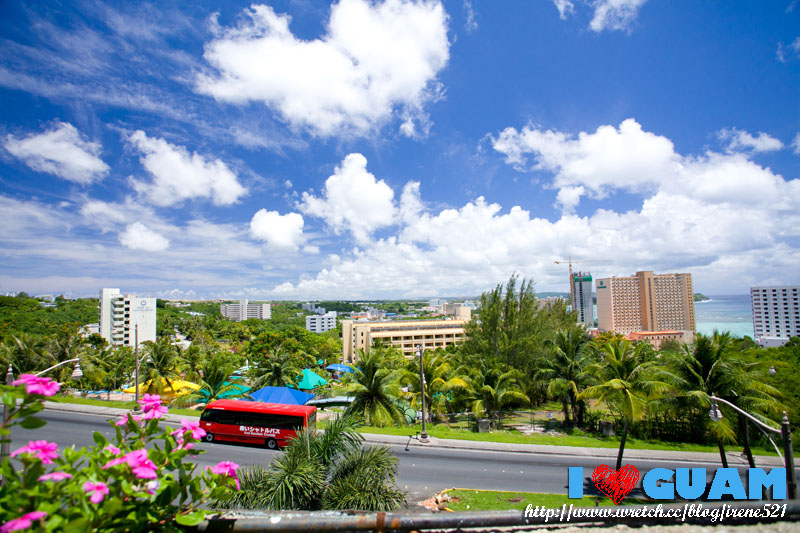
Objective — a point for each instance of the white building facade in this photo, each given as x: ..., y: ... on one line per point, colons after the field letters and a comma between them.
x: 244, y: 310
x: 126, y: 318
x: 776, y: 314
x: 321, y: 323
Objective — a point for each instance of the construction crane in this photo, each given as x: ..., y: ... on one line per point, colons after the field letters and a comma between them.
x: 569, y: 261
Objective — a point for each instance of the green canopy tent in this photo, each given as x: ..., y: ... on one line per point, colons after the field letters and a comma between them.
x: 309, y: 380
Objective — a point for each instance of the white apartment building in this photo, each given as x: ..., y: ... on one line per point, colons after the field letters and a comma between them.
x: 244, y: 310
x: 646, y: 302
x: 321, y: 323
x: 121, y: 314
x: 776, y: 313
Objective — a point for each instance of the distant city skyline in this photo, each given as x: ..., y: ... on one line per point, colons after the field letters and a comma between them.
x: 396, y: 149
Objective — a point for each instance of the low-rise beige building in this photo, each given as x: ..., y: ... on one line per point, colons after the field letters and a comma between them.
x: 655, y: 338
x: 404, y: 334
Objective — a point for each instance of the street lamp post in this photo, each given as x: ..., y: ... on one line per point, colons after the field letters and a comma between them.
x: 136, y: 356
x: 5, y: 448
x: 786, y: 437
x: 423, y: 437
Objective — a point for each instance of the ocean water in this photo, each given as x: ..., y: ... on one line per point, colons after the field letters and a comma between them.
x: 730, y: 312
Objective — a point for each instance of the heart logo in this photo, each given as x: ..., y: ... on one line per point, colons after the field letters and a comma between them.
x: 616, y: 484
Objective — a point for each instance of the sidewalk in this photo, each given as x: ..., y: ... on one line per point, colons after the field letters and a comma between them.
x: 734, y: 458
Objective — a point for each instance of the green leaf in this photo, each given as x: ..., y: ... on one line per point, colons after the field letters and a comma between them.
x: 79, y: 524
x: 32, y: 422
x: 99, y: 439
x: 191, y: 519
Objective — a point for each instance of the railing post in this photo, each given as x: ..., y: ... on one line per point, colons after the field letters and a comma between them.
x: 788, y: 456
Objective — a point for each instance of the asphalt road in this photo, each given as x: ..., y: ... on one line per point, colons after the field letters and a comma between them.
x: 422, y: 471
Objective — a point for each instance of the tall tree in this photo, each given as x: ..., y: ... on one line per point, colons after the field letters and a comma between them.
x: 159, y: 370
x: 280, y: 369
x: 375, y: 386
x: 565, y: 370
x: 215, y: 384
x: 626, y: 383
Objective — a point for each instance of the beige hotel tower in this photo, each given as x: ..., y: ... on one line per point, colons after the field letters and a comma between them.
x: 646, y: 302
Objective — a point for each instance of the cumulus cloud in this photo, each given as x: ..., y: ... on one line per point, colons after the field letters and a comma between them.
x: 610, y: 158
x: 61, y: 151
x: 283, y: 232
x: 796, y: 144
x: 353, y: 200
x: 713, y: 214
x: 614, y: 14
x: 137, y: 236
x: 179, y: 175
x: 739, y: 140
x: 375, y: 58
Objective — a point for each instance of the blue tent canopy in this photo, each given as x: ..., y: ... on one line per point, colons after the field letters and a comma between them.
x: 282, y: 395
x: 339, y: 368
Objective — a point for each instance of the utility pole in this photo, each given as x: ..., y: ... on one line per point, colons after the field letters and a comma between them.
x: 136, y: 356
x: 423, y: 437
x: 5, y: 448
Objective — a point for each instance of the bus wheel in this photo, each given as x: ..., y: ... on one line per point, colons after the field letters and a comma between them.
x: 209, y: 437
x: 272, y: 444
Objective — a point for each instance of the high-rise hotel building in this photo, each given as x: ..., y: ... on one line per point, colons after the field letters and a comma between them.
x: 776, y: 312
x: 121, y: 314
x: 646, y: 302
x: 582, y: 300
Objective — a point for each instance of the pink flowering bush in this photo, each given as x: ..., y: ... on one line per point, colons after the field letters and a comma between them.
x: 141, y: 480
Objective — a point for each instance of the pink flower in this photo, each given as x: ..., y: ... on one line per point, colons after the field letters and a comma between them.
x: 227, y: 468
x: 98, y: 491
x: 54, y: 476
x: 23, y: 522
x: 155, y: 412
x: 140, y: 464
x: 124, y: 420
x: 37, y: 385
x: 40, y: 449
x: 193, y: 426
x: 183, y: 445
x: 113, y: 449
x: 150, y: 402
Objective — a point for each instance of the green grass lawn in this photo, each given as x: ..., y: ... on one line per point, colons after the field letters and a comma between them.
x: 491, y: 500
x: 443, y: 432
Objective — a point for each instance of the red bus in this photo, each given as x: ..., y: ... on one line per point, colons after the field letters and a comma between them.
x: 270, y: 424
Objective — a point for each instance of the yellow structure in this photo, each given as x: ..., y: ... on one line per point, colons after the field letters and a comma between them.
x: 404, y: 334
x: 181, y: 387
x: 646, y: 302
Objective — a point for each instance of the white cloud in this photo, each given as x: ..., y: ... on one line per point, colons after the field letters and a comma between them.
x: 610, y: 158
x: 284, y: 232
x: 137, y: 236
x: 742, y: 140
x: 796, y: 144
x: 614, y: 14
x: 565, y: 7
x: 716, y: 215
x: 375, y: 57
x: 471, y: 24
x: 61, y: 151
x: 353, y: 200
x: 178, y: 175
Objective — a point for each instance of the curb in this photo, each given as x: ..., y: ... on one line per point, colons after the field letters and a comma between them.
x: 505, y: 447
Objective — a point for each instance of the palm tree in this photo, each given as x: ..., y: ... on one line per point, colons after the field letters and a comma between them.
x: 710, y: 366
x: 280, y: 369
x: 375, y: 385
x: 27, y: 353
x: 160, y: 367
x: 215, y: 384
x: 626, y: 384
x: 330, y: 470
x: 191, y: 361
x: 493, y: 388
x: 565, y: 371
x: 442, y: 380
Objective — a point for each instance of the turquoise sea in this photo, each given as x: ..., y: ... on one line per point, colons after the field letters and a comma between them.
x: 730, y: 312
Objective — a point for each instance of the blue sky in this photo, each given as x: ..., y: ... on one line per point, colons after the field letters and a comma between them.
x: 405, y: 148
